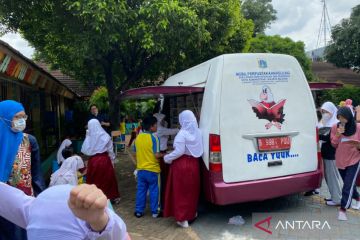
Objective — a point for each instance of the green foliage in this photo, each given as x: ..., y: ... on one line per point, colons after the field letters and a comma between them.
x: 261, y: 12
x: 138, y: 109
x: 121, y: 44
x: 341, y: 94
x: 277, y: 44
x: 81, y: 106
x: 132, y: 109
x: 345, y: 49
x: 125, y: 42
x: 100, y: 98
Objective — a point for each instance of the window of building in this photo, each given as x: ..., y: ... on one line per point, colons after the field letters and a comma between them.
x: 3, y: 92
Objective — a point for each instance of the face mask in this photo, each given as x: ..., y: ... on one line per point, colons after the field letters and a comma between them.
x: 19, y: 125
x: 326, y: 117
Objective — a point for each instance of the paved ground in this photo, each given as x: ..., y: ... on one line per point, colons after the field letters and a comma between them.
x: 145, y: 227
x: 213, y: 221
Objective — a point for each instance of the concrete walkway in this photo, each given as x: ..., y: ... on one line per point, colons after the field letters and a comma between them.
x: 213, y: 222
x: 145, y: 227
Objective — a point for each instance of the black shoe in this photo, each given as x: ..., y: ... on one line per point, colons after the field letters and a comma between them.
x: 115, y: 201
x: 193, y: 220
x: 309, y: 193
x: 138, y: 214
x: 312, y: 192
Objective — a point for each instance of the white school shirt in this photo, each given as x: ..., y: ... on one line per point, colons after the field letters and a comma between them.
x: 163, y: 134
x: 179, y: 149
x: 49, y: 217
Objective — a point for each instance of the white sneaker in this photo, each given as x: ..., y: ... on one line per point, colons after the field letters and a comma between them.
x: 356, y: 205
x: 183, y: 224
x: 342, y: 216
x: 332, y: 203
x: 155, y: 215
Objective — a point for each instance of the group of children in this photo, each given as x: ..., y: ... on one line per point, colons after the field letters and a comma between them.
x: 180, y: 196
x: 70, y: 166
x: 150, y: 146
x: 61, y: 211
x: 67, y: 210
x: 340, y: 144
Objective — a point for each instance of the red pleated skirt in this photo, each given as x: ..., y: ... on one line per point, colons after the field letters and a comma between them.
x: 182, y: 189
x: 100, y: 172
x: 164, y: 175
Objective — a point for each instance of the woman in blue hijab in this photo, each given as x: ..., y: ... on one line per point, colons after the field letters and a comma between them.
x: 10, y: 138
x: 19, y: 160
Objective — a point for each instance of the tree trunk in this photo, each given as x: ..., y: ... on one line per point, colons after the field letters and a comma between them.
x: 114, y: 109
x: 114, y: 102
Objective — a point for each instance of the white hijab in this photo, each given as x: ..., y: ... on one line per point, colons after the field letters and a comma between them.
x: 63, y: 145
x: 67, y: 174
x: 97, y: 140
x: 331, y: 108
x: 191, y: 132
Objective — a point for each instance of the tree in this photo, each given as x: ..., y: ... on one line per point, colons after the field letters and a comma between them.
x: 341, y: 94
x: 122, y: 43
x: 277, y: 44
x: 100, y: 98
x: 261, y: 12
x: 345, y: 48
x: 130, y: 108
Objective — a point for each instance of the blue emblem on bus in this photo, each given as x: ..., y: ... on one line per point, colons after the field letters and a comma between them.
x: 262, y: 63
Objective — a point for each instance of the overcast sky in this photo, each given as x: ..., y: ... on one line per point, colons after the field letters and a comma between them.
x: 297, y: 19
x: 300, y: 19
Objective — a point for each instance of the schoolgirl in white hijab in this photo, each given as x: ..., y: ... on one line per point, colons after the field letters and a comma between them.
x: 331, y: 172
x: 66, y: 143
x: 100, y: 168
x: 183, y: 182
x: 329, y: 116
x: 57, y: 213
x: 97, y: 141
x: 188, y: 141
x: 67, y: 174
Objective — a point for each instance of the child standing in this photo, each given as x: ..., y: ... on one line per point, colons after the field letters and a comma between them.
x: 147, y: 148
x: 133, y: 135
x: 331, y: 173
x: 66, y: 143
x: 183, y: 183
x: 123, y: 133
x: 123, y: 129
x: 345, y: 137
x: 68, y: 172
